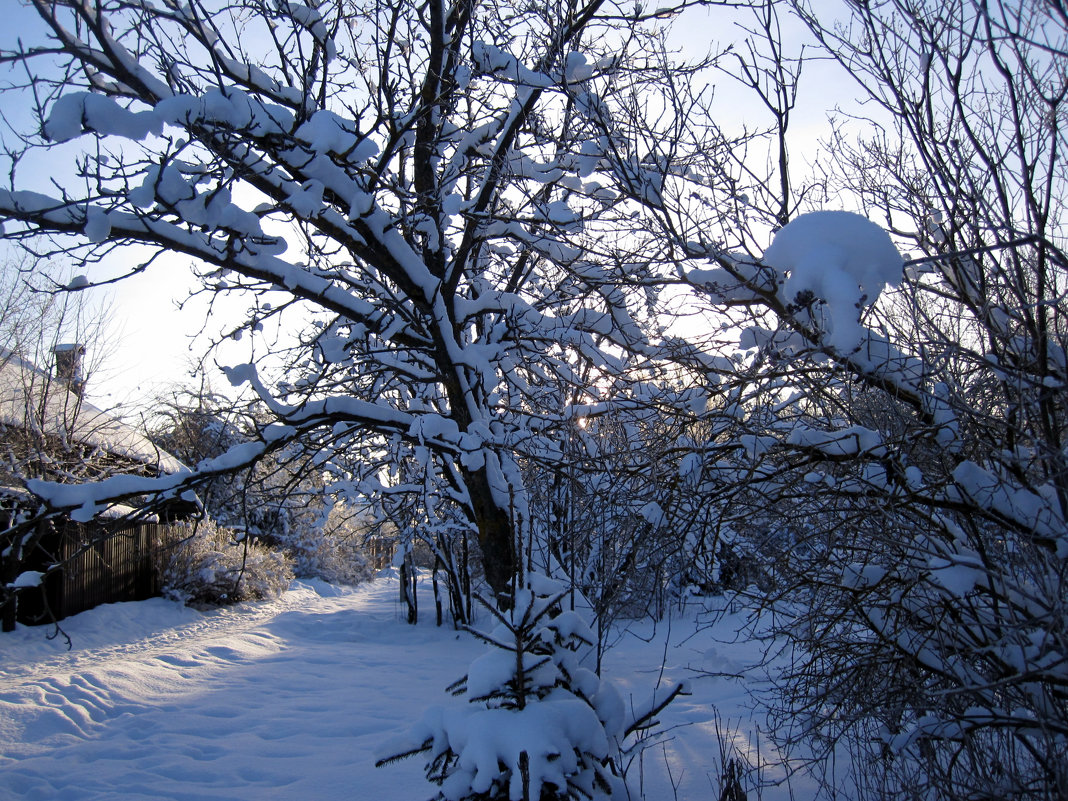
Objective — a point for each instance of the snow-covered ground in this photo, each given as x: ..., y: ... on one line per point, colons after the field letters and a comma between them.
x: 293, y: 698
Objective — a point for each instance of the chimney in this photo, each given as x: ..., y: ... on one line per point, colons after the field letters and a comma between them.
x: 69, y: 367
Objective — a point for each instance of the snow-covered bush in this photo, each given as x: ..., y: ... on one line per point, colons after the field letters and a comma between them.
x: 629, y: 520
x: 215, y: 565
x: 280, y: 501
x: 333, y: 551
x: 539, y: 724
x: 336, y: 557
x: 925, y: 593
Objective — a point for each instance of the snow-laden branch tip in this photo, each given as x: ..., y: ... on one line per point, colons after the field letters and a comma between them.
x: 839, y: 258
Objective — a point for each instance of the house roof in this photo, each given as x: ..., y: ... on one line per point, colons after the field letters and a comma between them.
x: 31, y: 396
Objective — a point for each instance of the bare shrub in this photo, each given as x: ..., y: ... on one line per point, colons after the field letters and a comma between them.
x: 334, y: 552
x: 215, y: 565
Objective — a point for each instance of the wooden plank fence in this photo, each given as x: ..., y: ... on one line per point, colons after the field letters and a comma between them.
x: 100, y: 564
x: 380, y: 551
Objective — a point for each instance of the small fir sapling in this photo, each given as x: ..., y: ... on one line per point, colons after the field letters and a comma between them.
x: 538, y: 725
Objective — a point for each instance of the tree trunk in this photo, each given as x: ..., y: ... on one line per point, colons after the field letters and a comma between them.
x: 494, y: 533
x: 408, y: 588
x: 9, y: 570
x: 8, y: 615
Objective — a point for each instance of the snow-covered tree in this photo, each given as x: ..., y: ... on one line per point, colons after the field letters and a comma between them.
x: 624, y: 515
x: 469, y: 212
x: 539, y: 724
x: 461, y: 196
x: 905, y: 458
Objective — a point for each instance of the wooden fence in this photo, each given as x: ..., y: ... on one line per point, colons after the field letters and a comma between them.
x: 380, y: 551
x: 99, y: 564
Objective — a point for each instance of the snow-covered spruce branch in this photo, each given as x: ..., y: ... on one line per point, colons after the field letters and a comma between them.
x: 537, y: 722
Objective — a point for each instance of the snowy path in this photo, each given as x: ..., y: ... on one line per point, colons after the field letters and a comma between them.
x: 282, y: 700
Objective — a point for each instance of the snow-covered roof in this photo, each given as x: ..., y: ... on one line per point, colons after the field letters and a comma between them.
x: 30, y: 396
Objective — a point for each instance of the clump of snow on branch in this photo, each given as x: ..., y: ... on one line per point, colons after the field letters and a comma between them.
x: 838, y: 258
x: 26, y: 579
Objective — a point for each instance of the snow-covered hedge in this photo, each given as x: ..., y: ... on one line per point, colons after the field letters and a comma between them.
x: 216, y: 565
x: 338, y: 559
